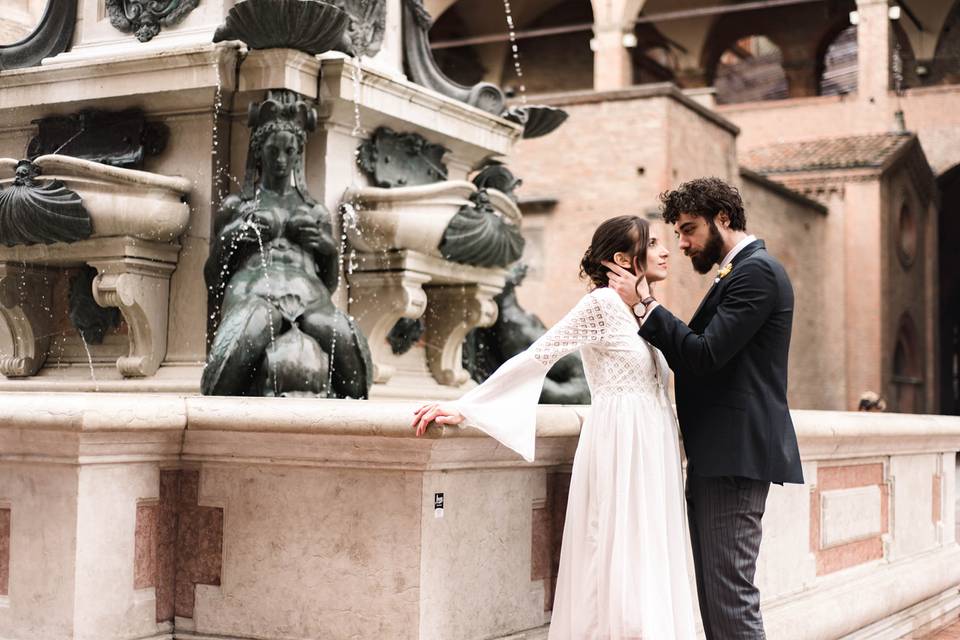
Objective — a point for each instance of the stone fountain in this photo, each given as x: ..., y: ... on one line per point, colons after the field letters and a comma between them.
x: 255, y: 199
x: 224, y: 223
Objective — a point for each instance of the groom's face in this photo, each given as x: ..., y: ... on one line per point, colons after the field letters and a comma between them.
x: 700, y: 240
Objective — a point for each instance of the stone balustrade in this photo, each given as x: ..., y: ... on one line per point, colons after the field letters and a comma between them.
x: 125, y: 516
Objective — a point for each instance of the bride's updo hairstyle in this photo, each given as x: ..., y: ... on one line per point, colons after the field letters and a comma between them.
x: 626, y: 234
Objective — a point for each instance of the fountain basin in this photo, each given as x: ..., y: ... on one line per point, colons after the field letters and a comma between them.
x: 415, y: 218
x: 120, y: 202
x: 136, y: 218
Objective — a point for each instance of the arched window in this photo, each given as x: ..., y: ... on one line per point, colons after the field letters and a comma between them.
x: 946, y: 59
x: 750, y: 69
x: 654, y: 56
x: 907, y: 369
x: 839, y: 72
x: 907, y: 231
x: 470, y: 43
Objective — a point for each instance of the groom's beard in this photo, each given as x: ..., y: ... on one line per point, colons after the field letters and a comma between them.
x: 711, y: 254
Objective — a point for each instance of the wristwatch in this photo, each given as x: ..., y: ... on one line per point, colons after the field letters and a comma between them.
x: 640, y: 309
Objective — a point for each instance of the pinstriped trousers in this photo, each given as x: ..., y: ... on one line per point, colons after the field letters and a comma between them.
x: 724, y: 515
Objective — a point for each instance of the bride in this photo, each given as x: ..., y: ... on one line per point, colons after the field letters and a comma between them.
x: 623, y: 561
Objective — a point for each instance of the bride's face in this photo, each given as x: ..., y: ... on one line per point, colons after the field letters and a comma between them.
x: 657, y: 255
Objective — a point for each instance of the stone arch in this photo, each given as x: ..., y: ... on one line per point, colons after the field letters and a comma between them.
x: 900, y: 41
x: 654, y: 58
x: 749, y: 68
x: 842, y: 80
x: 907, y: 378
x: 563, y: 62
x: 493, y: 61
x: 946, y: 58
x: 726, y: 31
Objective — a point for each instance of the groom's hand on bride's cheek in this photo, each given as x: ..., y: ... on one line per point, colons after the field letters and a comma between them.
x: 623, y: 282
x: 641, y: 286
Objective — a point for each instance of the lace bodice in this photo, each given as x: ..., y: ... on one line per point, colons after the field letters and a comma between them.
x: 617, y: 362
x: 615, y: 358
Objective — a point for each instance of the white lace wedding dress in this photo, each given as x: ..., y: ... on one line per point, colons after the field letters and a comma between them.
x: 623, y: 563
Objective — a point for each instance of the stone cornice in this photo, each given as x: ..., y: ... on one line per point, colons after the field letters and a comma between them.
x: 782, y: 189
x: 639, y: 92
x: 190, y: 68
x: 99, y: 428
x: 401, y: 104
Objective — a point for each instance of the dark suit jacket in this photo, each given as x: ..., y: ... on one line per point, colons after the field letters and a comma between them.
x: 730, y: 365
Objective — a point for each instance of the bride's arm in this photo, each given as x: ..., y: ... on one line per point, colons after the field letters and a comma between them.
x: 505, y: 405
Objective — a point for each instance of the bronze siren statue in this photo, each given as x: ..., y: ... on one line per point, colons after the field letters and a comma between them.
x: 274, y: 262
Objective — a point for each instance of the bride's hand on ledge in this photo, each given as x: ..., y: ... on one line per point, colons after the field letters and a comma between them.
x: 434, y: 412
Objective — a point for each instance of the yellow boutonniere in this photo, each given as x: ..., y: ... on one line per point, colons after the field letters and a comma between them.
x: 723, y: 273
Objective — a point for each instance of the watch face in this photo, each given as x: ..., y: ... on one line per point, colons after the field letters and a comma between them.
x: 639, y: 310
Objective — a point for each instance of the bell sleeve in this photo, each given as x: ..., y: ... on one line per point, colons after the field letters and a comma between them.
x: 505, y: 405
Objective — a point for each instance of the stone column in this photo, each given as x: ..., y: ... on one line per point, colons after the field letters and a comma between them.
x: 612, y: 65
x: 873, y: 50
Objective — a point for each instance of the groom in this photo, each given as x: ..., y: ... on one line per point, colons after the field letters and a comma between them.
x: 730, y: 364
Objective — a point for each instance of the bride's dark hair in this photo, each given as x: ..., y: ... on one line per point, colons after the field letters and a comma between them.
x: 627, y: 234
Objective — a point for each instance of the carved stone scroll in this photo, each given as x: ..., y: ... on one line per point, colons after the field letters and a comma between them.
x: 452, y: 312
x: 424, y: 70
x: 25, y: 306
x: 392, y: 159
x: 368, y: 21
x: 379, y: 301
x: 140, y: 289
x: 144, y: 18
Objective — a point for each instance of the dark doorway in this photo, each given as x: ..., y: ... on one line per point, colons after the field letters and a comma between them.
x: 948, y: 233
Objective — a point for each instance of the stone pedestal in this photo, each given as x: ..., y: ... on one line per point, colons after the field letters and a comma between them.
x: 135, y: 517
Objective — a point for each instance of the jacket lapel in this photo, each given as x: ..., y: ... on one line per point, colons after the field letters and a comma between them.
x: 703, y: 302
x: 746, y: 252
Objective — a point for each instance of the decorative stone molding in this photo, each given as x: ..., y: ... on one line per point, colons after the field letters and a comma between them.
x: 368, y: 21
x: 380, y: 300
x: 861, y: 489
x: 141, y: 290
x: 392, y: 159
x: 25, y: 306
x: 452, y: 312
x: 387, y: 286
x: 144, y: 18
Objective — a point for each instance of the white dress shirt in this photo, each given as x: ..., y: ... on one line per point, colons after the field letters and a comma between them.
x: 737, y: 249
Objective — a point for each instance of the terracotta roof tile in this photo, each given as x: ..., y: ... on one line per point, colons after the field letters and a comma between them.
x: 848, y: 152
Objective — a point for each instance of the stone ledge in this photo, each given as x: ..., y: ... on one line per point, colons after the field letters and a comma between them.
x: 858, y: 598
x: 92, y: 427
x: 149, y: 73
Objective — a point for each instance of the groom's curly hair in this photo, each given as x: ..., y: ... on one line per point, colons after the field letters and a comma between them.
x: 704, y: 197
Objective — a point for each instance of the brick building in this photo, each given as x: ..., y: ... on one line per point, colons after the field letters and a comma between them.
x: 837, y: 119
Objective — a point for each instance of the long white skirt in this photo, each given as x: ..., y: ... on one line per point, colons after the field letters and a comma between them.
x: 623, y: 563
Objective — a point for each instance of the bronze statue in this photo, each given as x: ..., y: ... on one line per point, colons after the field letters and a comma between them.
x: 514, y: 331
x: 275, y: 263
